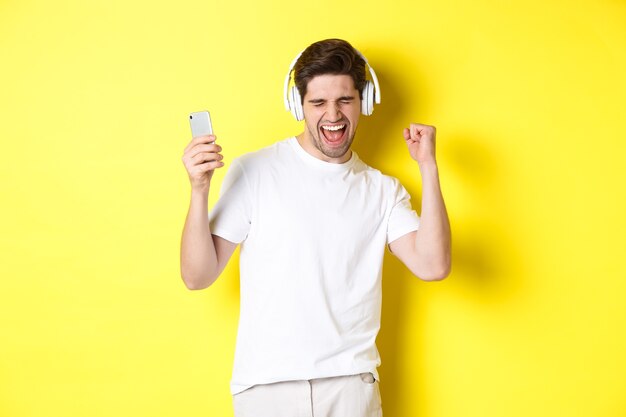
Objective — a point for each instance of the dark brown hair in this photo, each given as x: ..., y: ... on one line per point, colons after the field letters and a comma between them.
x: 330, y: 56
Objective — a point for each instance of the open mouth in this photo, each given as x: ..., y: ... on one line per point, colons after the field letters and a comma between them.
x: 334, y: 133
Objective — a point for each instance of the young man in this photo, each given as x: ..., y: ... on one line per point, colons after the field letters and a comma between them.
x: 313, y: 222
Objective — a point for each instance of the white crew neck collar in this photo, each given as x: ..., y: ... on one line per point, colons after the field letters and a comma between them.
x: 310, y: 159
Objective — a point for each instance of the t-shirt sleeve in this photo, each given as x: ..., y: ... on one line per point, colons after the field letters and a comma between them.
x: 402, y: 219
x: 230, y: 217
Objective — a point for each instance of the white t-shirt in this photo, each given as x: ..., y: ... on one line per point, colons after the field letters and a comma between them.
x: 313, y: 236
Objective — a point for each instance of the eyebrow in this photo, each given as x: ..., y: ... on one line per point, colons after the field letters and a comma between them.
x: 321, y: 100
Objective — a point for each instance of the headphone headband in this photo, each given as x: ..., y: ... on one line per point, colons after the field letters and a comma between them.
x: 293, y: 64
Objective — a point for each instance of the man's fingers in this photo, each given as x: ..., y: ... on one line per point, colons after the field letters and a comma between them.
x: 214, y: 148
x: 206, y: 156
x: 410, y: 136
x: 208, y: 166
x: 200, y: 139
x: 417, y: 131
x: 192, y: 152
x: 406, y: 134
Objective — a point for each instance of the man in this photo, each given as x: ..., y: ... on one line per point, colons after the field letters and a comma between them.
x: 313, y: 222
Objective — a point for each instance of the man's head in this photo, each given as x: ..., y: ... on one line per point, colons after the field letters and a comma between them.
x: 330, y: 56
x: 330, y: 76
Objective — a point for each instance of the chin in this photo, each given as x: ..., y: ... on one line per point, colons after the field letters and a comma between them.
x: 334, y: 151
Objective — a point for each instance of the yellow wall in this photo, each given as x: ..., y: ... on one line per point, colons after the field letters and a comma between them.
x: 529, y: 101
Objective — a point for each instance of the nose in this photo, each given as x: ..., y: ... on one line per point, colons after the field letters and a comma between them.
x: 333, y: 113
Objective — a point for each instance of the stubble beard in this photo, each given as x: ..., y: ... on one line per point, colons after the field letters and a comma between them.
x: 318, y: 142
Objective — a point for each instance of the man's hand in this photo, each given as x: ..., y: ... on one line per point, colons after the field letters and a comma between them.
x: 201, y: 158
x: 420, y: 139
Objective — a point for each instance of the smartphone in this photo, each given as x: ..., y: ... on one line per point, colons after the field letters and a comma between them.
x: 200, y: 122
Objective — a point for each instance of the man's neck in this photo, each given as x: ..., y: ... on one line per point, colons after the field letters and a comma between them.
x: 307, y: 144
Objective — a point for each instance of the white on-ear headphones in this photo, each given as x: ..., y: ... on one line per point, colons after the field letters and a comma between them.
x: 293, y: 101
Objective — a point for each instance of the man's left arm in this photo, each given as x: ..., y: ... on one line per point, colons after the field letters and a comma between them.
x: 426, y: 252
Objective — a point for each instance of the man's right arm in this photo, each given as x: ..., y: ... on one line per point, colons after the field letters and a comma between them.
x: 203, y: 255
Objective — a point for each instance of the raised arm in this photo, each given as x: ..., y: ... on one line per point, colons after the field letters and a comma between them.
x: 426, y: 252
x: 203, y: 256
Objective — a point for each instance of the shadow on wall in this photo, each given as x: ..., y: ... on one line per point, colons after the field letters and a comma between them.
x: 485, y: 252
x: 486, y: 264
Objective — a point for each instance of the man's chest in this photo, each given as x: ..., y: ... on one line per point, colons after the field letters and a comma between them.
x: 327, y: 206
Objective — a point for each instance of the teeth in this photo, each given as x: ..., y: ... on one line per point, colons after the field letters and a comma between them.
x: 333, y: 128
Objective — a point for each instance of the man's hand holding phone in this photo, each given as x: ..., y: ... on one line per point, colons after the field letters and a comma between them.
x: 202, y: 155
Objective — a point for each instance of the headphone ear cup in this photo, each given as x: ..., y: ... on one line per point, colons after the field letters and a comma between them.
x: 295, y: 104
x: 367, y: 102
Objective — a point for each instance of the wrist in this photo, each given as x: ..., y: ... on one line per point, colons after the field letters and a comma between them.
x: 427, y: 166
x: 200, y: 194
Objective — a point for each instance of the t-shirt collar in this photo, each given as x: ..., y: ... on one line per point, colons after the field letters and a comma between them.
x: 310, y: 159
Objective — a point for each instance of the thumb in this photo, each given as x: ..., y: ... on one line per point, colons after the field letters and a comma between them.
x: 416, y: 131
x: 406, y: 133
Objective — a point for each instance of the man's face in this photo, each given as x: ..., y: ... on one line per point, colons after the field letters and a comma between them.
x: 331, y: 112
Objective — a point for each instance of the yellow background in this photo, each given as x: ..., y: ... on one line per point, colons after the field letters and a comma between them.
x: 529, y: 101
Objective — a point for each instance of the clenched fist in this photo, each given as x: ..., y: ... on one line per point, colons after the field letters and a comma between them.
x: 201, y: 158
x: 420, y: 140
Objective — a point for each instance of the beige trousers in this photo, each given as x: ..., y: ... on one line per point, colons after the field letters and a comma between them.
x: 341, y: 396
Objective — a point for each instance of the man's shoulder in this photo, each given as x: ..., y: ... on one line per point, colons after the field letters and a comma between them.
x: 371, y: 172
x: 264, y: 155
